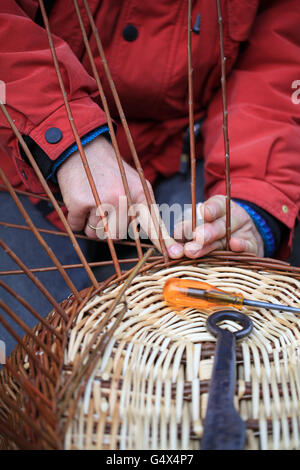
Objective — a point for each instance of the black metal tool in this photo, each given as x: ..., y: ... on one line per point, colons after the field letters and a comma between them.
x: 223, y: 427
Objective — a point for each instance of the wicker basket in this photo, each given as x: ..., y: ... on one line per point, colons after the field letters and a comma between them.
x: 145, y: 384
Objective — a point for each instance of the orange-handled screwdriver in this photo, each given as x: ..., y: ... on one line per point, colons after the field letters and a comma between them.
x: 197, y: 294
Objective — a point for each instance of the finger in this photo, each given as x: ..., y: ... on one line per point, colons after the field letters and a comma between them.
x: 206, y: 234
x: 194, y: 250
x: 95, y: 228
x: 92, y: 227
x: 77, y: 220
x: 119, y: 219
x: 146, y: 220
x: 213, y: 208
x: 95, y: 224
x: 117, y: 224
x: 109, y: 221
x: 238, y: 244
x: 209, y: 232
x: 183, y: 231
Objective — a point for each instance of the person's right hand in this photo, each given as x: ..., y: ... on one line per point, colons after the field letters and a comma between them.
x: 210, y: 234
x: 81, y: 205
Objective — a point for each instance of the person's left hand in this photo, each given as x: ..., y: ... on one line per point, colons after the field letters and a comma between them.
x: 210, y: 235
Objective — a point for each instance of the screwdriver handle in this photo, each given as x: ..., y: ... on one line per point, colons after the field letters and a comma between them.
x: 189, y: 293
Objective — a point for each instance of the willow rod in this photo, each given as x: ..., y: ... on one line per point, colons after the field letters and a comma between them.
x: 240, y: 260
x: 50, y: 195
x: 191, y: 118
x: 34, y: 358
x: 26, y: 328
x: 64, y: 234
x: 225, y: 128
x: 134, y: 154
x: 115, y: 302
x: 111, y: 128
x: 217, y: 255
x: 93, y: 264
x: 33, y: 424
x: 33, y: 312
x: 75, y: 311
x: 33, y: 195
x: 34, y: 279
x: 78, y: 141
x: 9, y: 431
x: 43, y: 405
x: 85, y: 369
x: 37, y: 235
x: 71, y: 311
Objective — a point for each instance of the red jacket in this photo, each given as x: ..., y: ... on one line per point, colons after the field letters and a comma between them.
x: 262, y: 40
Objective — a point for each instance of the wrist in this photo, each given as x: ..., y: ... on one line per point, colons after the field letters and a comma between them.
x: 262, y: 226
x: 92, y: 136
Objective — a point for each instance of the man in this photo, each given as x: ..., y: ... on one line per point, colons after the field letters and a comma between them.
x: 145, y: 46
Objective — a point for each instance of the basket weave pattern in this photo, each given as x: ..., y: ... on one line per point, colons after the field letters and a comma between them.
x: 149, y: 387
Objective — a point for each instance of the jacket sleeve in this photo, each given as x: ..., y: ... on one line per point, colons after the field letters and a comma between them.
x: 33, y: 95
x: 264, y: 119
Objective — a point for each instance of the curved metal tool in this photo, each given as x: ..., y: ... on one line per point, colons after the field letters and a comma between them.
x: 223, y: 427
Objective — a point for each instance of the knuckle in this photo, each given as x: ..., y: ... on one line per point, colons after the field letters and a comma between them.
x: 220, y: 228
x: 216, y: 206
x: 219, y: 199
x: 90, y: 233
x: 222, y: 244
x: 150, y: 189
x: 140, y: 194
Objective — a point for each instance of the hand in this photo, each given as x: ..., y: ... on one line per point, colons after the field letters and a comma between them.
x: 211, y: 234
x: 81, y: 205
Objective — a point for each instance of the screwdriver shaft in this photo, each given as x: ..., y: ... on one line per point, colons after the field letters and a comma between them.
x: 254, y: 303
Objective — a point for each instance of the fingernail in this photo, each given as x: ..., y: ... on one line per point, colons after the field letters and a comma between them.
x: 194, y: 248
x: 176, y: 250
x: 211, y: 210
